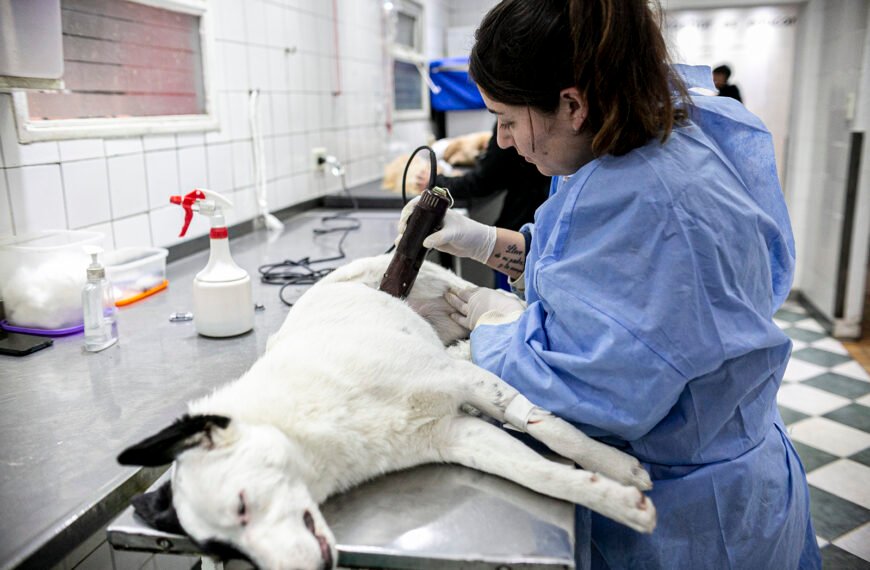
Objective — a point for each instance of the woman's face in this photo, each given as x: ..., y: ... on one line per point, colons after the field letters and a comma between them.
x: 554, y: 143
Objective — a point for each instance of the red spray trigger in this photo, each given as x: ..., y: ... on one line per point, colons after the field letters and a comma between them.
x: 187, y: 203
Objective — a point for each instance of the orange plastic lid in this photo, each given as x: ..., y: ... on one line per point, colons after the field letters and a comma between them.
x: 143, y: 294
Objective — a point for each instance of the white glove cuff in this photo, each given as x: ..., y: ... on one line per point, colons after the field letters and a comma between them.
x: 484, y: 251
x: 518, y: 412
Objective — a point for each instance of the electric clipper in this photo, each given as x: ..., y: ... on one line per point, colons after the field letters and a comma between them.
x: 426, y: 218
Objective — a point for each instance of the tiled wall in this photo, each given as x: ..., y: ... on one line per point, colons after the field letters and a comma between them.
x: 827, y: 73
x: 285, y: 48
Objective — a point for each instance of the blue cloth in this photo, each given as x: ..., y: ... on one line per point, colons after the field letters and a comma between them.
x: 457, y: 91
x: 651, y: 281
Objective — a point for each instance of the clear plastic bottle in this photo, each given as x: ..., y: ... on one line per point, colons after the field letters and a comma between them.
x: 98, y: 304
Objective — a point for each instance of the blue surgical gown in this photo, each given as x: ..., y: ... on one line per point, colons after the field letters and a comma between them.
x: 651, y: 281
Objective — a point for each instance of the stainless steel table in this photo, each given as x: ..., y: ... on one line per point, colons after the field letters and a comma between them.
x: 428, y: 517
x: 65, y: 414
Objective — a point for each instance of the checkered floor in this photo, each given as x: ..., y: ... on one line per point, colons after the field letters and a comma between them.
x: 825, y: 402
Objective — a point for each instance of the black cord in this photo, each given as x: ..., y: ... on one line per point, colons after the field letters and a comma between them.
x: 433, y: 167
x: 289, y: 273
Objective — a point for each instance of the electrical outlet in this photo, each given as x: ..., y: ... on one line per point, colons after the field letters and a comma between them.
x: 318, y: 153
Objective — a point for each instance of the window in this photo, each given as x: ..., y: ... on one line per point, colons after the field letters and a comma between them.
x: 410, y: 91
x: 129, y: 68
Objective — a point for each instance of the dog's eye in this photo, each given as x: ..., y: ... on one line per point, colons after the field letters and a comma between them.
x: 309, y: 521
x: 243, y: 509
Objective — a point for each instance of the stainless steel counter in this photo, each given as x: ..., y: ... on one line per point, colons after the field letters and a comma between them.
x: 65, y: 413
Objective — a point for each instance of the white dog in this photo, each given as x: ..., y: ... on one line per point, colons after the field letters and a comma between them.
x: 356, y: 384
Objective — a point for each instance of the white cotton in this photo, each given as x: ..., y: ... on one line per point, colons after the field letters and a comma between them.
x: 46, y: 296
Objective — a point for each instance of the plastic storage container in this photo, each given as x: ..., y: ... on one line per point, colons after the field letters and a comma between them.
x: 136, y: 272
x: 41, y: 279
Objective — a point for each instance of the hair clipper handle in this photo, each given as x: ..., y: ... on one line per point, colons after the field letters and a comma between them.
x: 410, y: 253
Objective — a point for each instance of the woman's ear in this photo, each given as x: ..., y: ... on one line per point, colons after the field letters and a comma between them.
x: 574, y: 105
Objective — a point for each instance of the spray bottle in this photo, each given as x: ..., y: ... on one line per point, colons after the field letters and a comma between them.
x: 98, y: 306
x: 222, y: 300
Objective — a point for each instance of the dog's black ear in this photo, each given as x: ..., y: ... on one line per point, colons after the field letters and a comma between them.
x: 163, y: 447
x: 156, y: 509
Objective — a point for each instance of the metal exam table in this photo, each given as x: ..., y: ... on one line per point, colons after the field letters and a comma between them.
x: 64, y: 416
x: 428, y: 517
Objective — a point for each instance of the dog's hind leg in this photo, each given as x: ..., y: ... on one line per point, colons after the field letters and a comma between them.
x: 492, y: 395
x: 479, y: 445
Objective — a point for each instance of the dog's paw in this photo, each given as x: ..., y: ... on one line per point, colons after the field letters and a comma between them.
x: 627, y: 505
x: 616, y: 465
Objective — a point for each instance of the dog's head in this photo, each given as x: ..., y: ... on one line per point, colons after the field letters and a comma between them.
x: 237, y: 491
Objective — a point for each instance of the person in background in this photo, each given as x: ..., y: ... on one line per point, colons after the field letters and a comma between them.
x: 721, y: 75
x: 498, y: 169
x: 650, y: 279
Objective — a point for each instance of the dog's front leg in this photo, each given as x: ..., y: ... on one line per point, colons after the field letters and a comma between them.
x: 479, y: 445
x: 492, y: 395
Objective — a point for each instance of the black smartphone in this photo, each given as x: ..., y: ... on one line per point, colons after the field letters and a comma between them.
x: 19, y: 344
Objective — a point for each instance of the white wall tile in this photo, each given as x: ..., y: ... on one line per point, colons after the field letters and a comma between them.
x: 86, y: 190
x: 220, y: 167
x: 258, y: 68
x: 106, y: 230
x: 282, y: 157
x: 235, y: 65
x: 166, y: 223
x: 81, y: 149
x: 255, y: 22
x: 222, y: 134
x: 243, y: 166
x: 134, y: 231
x: 279, y: 68
x: 158, y: 142
x: 127, y: 183
x: 244, y: 205
x: 161, y: 168
x: 6, y: 227
x: 192, y: 169
x: 116, y: 147
x: 274, y: 16
x: 36, y: 195
x: 280, y: 113
x: 190, y: 139
x: 237, y: 112
x: 229, y: 20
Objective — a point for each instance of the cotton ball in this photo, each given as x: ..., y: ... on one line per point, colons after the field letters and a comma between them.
x: 47, y: 296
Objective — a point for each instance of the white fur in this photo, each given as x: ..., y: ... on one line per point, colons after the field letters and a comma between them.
x: 355, y: 384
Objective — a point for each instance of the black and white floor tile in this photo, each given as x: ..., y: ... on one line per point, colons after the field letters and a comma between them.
x: 825, y: 402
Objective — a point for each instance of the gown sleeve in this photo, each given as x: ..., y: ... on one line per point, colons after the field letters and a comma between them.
x: 637, y: 286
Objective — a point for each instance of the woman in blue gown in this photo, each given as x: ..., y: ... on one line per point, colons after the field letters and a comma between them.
x: 650, y: 278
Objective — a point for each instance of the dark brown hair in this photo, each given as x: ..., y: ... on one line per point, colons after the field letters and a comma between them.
x: 527, y: 51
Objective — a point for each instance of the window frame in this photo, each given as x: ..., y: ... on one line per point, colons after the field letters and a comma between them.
x: 66, y: 129
x: 414, y: 56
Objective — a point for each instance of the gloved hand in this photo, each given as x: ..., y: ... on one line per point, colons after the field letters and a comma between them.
x: 459, y: 235
x: 473, y: 302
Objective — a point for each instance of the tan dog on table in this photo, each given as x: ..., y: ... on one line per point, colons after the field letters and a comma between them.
x: 458, y: 151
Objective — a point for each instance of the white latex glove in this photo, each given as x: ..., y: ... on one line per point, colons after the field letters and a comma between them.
x: 459, y: 235
x: 472, y: 303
